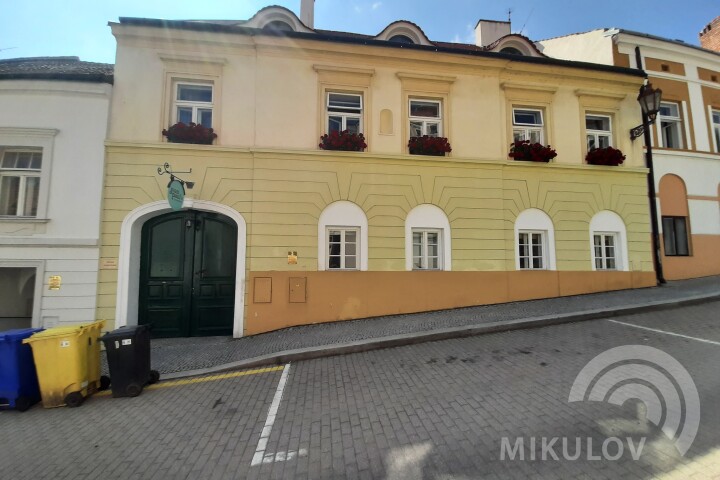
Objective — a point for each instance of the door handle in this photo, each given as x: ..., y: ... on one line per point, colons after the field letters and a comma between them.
x: 201, y: 272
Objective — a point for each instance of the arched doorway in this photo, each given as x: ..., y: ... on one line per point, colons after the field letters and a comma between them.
x: 187, y: 274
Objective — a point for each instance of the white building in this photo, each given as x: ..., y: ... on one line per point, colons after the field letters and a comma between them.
x: 53, y: 121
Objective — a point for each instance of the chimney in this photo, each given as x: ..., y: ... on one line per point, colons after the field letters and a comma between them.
x: 710, y: 36
x: 488, y: 31
x: 307, y: 13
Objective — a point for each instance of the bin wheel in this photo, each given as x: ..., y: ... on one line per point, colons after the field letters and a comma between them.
x: 133, y: 390
x: 154, y: 377
x: 74, y: 399
x: 104, y: 382
x: 23, y: 404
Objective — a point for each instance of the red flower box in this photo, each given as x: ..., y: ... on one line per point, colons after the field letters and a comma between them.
x: 190, y: 133
x: 343, y: 141
x: 531, y: 152
x: 426, y: 145
x: 608, y: 156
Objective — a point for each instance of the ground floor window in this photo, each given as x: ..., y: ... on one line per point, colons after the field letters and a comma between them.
x: 604, y: 247
x: 531, y: 250
x: 342, y: 248
x: 675, y: 236
x: 426, y: 249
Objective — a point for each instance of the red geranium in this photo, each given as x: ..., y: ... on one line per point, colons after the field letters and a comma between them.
x: 344, y: 141
x: 190, y: 133
x: 531, y: 152
x: 426, y: 145
x: 608, y: 156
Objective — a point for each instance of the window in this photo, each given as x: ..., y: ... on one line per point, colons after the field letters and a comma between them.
x: 20, y: 171
x: 604, y: 251
x: 716, y: 128
x: 528, y: 125
x: 194, y: 103
x: 670, y: 124
x: 401, y: 39
x: 425, y: 118
x: 279, y: 25
x: 427, y: 249
x: 675, y: 236
x: 511, y: 51
x: 344, y: 112
x: 597, y: 128
x: 342, y: 237
x: 342, y: 248
x: 530, y: 250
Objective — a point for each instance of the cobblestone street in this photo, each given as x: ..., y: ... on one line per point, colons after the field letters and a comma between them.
x: 436, y: 410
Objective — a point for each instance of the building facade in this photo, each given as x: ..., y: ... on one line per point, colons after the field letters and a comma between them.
x: 277, y: 232
x: 53, y: 122
x: 685, y: 137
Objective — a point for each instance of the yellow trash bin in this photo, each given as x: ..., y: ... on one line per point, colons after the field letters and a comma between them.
x: 68, y: 363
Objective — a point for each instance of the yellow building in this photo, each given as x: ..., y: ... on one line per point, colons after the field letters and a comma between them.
x: 278, y: 232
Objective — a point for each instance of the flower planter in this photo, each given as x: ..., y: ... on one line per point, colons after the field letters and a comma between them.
x: 426, y: 145
x: 190, y: 133
x: 531, y: 152
x: 343, y: 141
x: 608, y: 156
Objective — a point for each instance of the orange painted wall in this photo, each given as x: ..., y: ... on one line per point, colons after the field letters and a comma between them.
x: 334, y: 296
x: 703, y: 260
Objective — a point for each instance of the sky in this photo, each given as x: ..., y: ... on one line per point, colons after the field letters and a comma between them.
x: 80, y: 27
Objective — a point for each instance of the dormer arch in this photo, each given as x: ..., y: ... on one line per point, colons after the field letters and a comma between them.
x: 277, y: 18
x: 405, y: 32
x: 515, y: 44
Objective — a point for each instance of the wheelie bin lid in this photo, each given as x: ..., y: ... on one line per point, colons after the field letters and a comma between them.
x: 64, y: 331
x: 17, y: 334
x: 124, y: 332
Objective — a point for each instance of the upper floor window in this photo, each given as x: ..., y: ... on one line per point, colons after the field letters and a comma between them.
x: 528, y: 125
x: 279, y: 25
x: 511, y: 51
x: 194, y: 104
x: 716, y: 128
x: 597, y: 128
x: 20, y: 171
x: 670, y: 125
x: 344, y: 112
x: 675, y: 236
x: 425, y: 118
x: 401, y: 39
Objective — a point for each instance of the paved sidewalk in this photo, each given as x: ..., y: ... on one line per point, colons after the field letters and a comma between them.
x: 193, y: 356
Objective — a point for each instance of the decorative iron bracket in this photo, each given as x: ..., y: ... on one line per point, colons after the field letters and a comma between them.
x: 167, y: 169
x: 637, y: 131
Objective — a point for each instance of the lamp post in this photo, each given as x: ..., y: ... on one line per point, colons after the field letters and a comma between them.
x: 649, y: 99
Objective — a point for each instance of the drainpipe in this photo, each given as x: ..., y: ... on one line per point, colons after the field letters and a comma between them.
x: 657, y: 259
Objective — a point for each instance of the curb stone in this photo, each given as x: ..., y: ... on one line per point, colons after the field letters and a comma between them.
x: 286, y: 356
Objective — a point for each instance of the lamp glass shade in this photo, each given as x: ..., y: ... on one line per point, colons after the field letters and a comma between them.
x: 650, y: 99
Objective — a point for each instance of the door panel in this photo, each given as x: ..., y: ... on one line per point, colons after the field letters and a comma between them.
x: 187, y: 274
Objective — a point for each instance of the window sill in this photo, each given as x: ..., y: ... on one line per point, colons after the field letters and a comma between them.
x: 9, y: 219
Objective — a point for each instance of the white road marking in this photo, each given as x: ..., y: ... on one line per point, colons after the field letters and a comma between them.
x: 663, y: 331
x: 260, y: 456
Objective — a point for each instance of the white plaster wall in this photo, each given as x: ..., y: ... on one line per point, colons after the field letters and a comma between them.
x: 67, y: 243
x: 594, y: 46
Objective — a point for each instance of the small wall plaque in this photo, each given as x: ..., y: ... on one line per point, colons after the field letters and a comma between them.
x: 292, y: 257
x: 54, y: 282
x: 109, y: 264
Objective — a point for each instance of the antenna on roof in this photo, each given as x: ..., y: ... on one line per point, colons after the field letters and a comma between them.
x: 509, y: 14
x: 526, y: 20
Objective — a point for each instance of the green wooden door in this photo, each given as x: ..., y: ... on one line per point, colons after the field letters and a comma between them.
x: 187, y: 274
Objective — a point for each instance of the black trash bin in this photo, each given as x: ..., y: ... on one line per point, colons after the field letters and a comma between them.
x: 128, y: 356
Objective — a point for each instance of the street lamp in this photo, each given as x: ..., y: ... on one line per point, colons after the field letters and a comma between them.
x: 649, y: 99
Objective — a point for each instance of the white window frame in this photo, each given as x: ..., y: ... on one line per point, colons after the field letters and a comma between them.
x: 607, y: 222
x: 676, y: 124
x: 343, y: 115
x: 534, y: 220
x: 35, y: 138
x: 596, y: 134
x: 343, y: 256
x: 530, y: 257
x: 425, y: 121
x: 715, y: 127
x: 603, y: 258
x: 526, y: 129
x: 196, y: 106
x: 424, y: 256
x: 428, y: 217
x: 342, y: 215
x: 23, y: 174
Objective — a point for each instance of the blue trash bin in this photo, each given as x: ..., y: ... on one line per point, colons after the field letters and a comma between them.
x: 18, y: 380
